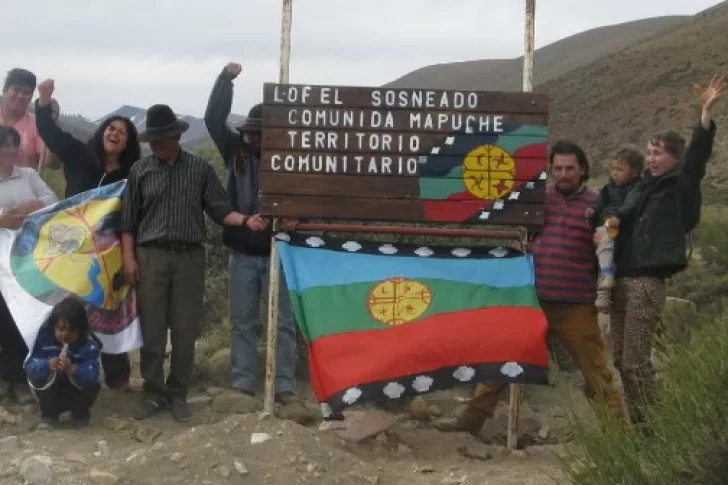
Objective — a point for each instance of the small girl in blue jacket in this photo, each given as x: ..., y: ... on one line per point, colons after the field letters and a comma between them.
x: 63, y: 368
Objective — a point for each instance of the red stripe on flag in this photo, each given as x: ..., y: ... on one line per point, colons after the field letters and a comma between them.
x: 484, y: 335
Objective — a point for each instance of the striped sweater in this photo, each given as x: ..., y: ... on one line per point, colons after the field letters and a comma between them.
x: 566, y: 266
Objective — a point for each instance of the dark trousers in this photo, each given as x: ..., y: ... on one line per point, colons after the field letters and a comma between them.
x: 12, y: 348
x: 170, y: 297
x: 117, y: 369
x: 64, y: 396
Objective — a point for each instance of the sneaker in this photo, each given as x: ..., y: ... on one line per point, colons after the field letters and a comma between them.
x: 603, y: 301
x: 148, y: 408
x: 293, y: 409
x: 606, y: 282
x: 180, y: 409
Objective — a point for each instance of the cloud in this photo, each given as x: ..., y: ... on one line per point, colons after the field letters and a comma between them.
x: 105, y: 54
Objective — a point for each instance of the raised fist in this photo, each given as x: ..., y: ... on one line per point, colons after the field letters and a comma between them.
x: 45, y: 92
x: 233, y: 69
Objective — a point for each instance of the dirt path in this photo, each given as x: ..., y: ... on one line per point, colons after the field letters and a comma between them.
x: 216, y: 448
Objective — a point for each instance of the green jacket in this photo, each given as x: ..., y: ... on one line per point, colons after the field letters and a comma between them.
x: 657, y: 215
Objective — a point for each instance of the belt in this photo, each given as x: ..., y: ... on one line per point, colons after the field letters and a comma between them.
x: 175, y: 247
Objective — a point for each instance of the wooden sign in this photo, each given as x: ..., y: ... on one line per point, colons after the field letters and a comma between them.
x: 412, y: 155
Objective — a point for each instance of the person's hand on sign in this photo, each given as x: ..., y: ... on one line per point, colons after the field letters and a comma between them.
x: 233, y: 69
x: 256, y: 223
x: 289, y: 225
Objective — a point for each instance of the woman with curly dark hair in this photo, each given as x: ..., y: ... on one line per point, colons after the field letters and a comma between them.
x: 104, y: 159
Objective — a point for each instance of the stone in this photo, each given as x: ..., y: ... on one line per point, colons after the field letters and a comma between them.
x: 404, y: 450
x: 177, y: 457
x: 217, y: 368
x: 224, y: 471
x: 10, y: 444
x: 453, y: 480
x: 100, y: 477
x: 679, y: 319
x: 235, y: 403
x: 543, y: 433
x: 361, y: 425
x: 75, y: 458
x: 425, y: 469
x: 435, y: 411
x: 37, y: 470
x: 332, y: 425
x: 214, y: 391
x: 103, y: 449
x: 199, y: 401
x: 419, y: 410
x: 146, y: 434
x: 240, y: 467
x: 476, y: 452
x: 258, y: 438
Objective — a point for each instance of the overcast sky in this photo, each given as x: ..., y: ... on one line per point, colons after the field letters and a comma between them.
x: 105, y: 53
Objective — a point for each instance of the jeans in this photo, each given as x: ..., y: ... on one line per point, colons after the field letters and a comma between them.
x: 248, y: 284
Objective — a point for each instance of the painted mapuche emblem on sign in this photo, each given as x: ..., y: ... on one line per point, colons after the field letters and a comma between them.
x: 489, y: 172
x: 397, y: 301
x: 75, y: 249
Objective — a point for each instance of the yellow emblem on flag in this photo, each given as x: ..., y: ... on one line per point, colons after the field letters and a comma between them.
x: 396, y: 301
x: 489, y: 172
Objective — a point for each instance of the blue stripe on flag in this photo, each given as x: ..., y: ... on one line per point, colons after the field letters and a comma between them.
x: 310, y: 267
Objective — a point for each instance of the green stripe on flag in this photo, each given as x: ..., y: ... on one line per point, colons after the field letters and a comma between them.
x: 327, y: 310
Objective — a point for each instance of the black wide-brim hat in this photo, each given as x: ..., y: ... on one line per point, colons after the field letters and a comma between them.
x: 162, y: 124
x: 254, y: 121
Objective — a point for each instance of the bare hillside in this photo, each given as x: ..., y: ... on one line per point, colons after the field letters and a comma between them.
x: 645, y: 88
x: 550, y: 61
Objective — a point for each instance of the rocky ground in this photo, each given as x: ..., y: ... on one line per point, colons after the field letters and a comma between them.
x: 231, y: 441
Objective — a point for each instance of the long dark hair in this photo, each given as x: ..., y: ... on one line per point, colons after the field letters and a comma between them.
x: 131, y: 153
x: 74, y: 311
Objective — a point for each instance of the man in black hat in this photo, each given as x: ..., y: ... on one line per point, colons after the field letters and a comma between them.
x: 163, y: 228
x: 250, y: 253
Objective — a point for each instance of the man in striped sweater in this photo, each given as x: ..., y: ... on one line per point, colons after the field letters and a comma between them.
x: 566, y: 283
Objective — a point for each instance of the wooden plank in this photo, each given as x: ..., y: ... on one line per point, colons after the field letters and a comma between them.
x: 367, y: 164
x: 384, y: 142
x: 474, y: 212
x: 307, y: 118
x: 384, y: 187
x: 409, y: 99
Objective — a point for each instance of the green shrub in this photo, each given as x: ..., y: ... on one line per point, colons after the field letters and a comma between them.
x: 689, y: 442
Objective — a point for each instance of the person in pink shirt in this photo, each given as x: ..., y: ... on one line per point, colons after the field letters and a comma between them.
x: 17, y: 94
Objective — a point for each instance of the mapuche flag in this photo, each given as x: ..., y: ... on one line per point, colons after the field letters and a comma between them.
x: 385, y: 321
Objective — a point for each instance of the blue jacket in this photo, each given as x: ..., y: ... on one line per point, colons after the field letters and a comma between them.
x: 83, y: 354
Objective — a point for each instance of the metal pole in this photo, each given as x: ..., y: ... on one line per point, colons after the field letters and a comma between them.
x: 273, y: 286
x: 516, y: 390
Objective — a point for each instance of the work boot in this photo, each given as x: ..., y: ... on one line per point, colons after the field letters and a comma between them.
x: 293, y: 409
x: 470, y: 421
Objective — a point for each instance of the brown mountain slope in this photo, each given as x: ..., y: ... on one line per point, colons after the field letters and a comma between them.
x: 645, y: 88
x: 550, y: 61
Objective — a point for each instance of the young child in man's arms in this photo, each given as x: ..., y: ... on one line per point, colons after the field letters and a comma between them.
x: 63, y: 368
